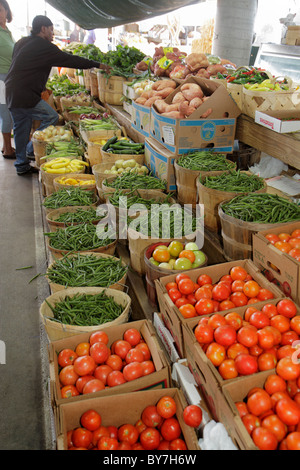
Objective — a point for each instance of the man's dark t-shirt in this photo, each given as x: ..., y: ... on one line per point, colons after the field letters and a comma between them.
x: 33, y: 58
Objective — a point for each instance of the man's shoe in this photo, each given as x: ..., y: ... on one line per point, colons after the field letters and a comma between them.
x: 32, y: 169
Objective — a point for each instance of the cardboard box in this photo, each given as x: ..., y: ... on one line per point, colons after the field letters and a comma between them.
x: 278, y: 120
x: 278, y: 267
x: 193, y: 133
x: 128, y: 91
x: 160, y: 161
x: 140, y: 118
x: 127, y: 107
x: 118, y: 410
x: 212, y: 384
x: 170, y: 313
x: 165, y: 337
x: 158, y: 379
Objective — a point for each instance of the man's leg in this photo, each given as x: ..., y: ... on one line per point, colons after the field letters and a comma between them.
x: 22, y: 127
x: 47, y: 115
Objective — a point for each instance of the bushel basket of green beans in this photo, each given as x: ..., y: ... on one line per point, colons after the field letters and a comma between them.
x: 234, y: 182
x: 65, y: 216
x: 83, y: 309
x: 205, y: 161
x: 133, y: 181
x: 87, y: 270
x: 69, y: 197
x: 81, y: 237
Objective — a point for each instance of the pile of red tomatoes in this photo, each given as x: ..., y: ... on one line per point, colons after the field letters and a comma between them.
x: 157, y: 429
x: 233, y: 290
x: 94, y: 365
x: 286, y: 242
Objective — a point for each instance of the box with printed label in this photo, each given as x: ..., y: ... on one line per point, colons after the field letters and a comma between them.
x: 216, y: 132
x: 160, y: 161
x: 140, y: 118
x: 283, y: 121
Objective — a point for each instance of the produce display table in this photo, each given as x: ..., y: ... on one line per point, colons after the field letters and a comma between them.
x: 285, y: 147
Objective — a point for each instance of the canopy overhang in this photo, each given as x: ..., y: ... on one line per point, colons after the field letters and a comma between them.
x: 93, y: 14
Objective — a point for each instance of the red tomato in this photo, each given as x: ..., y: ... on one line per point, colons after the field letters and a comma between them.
x: 239, y: 298
x: 204, y: 279
x: 246, y: 364
x: 188, y: 311
x: 216, y: 320
x: 148, y: 367
x: 265, y: 294
x: 266, y: 338
x: 121, y: 348
x: 82, y: 437
x: 93, y: 386
x: 90, y: 420
x: 192, y: 416
x: 140, y: 425
x: 98, y: 433
x: 84, y: 365
x: 295, y: 324
x: 204, y: 306
x: 174, y: 294
x: 226, y: 305
x: 66, y: 357
x: 225, y: 335
x: 227, y: 369
x: 272, y: 237
x: 235, y: 349
x: 191, y: 299
x: 247, y: 336
x: 145, y: 350
x: 288, y: 369
x: 116, y: 377
x: 248, y: 313
x: 68, y: 375
x: 234, y: 319
x: 150, y: 438
x: 177, y: 444
x: 242, y: 408
x: 280, y: 322
x: 275, y: 425
x: 270, y: 310
x: 102, y: 371
x: 166, y: 407
x: 83, y: 348
x: 238, y: 273
x: 115, y: 362
x: 69, y: 391
x: 204, y: 334
x: 107, y: 443
x: 132, y: 371
x: 181, y: 276
x: 128, y: 433
x: 237, y: 286
x: 285, y: 351
x: 274, y: 383
x: 81, y: 381
x: 250, y: 422
x: 164, y: 445
x: 132, y: 336
x: 287, y: 308
x: 259, y: 319
x: 186, y: 286
x: 259, y: 402
x: 170, y: 429
x: 203, y: 292
x: 134, y: 355
x: 216, y: 353
x: 293, y: 441
x: 266, y: 361
x: 151, y: 417
x: 288, y: 411
x: 289, y: 337
x: 171, y: 285
x: 251, y: 288
x: 264, y: 439
x: 99, y: 352
x: 98, y: 336
x: 221, y: 291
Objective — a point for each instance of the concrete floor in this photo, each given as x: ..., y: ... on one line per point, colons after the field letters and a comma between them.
x: 26, y: 418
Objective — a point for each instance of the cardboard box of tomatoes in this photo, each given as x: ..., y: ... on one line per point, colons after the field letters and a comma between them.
x: 172, y: 315
x: 156, y: 360
x: 278, y: 266
x: 221, y: 358
x: 117, y: 411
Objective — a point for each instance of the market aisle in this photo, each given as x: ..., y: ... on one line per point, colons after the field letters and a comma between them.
x: 26, y: 421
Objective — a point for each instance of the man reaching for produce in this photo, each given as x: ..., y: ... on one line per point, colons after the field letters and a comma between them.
x: 33, y: 57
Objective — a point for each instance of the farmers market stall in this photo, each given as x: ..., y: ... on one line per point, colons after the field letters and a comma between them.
x: 128, y: 308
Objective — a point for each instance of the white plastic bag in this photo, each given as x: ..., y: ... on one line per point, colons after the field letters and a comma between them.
x: 268, y: 167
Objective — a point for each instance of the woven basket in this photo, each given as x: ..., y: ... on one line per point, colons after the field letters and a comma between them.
x: 120, y: 285
x: 113, y: 157
x: 236, y: 93
x: 264, y: 101
x: 57, y: 330
x: 48, y: 179
x: 52, y: 216
x: 107, y: 249
x: 83, y: 177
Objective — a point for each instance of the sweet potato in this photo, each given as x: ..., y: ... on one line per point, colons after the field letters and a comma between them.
x: 178, y: 98
x: 191, y: 90
x: 206, y: 113
x: 151, y: 100
x: 174, y: 114
x: 164, y: 92
x: 215, y: 68
x: 163, y: 107
x: 161, y: 84
x: 141, y: 100
x: 185, y: 108
x: 196, y: 102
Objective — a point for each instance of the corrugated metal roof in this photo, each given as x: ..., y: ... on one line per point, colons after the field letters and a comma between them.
x: 92, y: 14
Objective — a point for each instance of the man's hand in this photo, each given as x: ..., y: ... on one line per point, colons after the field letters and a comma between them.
x: 105, y: 67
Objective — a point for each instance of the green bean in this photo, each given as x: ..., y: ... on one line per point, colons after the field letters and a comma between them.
x: 134, y: 198
x: 81, y: 237
x: 262, y: 208
x: 205, y: 161
x: 86, y: 309
x: 80, y: 216
x: 69, y: 197
x: 234, y: 181
x: 130, y: 180
x: 78, y: 270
